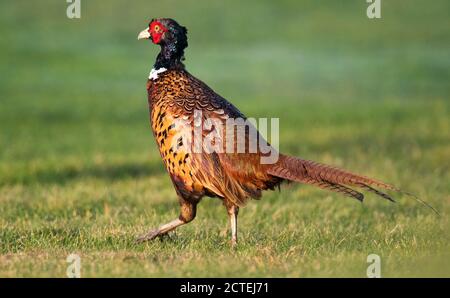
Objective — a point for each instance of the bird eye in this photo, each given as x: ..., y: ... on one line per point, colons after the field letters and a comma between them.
x: 156, y: 28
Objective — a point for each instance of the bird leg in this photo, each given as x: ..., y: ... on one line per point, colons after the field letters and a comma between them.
x: 233, y: 211
x: 162, y: 230
x: 187, y: 214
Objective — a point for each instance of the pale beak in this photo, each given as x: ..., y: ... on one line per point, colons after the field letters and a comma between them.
x: 144, y: 34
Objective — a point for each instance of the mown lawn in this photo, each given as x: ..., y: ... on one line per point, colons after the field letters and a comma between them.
x: 80, y: 173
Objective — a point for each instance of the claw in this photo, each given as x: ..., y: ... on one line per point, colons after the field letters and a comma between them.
x: 149, y: 236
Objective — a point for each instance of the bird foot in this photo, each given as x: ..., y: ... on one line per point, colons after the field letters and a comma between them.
x: 149, y: 236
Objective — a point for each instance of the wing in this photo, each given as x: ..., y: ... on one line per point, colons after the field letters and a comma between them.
x: 227, y: 164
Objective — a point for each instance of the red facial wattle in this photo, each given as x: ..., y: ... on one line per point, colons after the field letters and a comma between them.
x: 157, y: 30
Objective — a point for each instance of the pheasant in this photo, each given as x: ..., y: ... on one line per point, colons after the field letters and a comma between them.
x: 176, y: 99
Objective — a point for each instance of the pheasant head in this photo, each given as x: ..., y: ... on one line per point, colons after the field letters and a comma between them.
x: 172, y: 38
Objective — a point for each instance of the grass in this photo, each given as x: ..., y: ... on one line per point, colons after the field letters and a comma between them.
x: 80, y: 173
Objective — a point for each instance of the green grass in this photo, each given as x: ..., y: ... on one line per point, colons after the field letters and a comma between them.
x: 80, y: 172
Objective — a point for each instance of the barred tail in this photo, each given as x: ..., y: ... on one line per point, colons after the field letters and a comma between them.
x: 327, y: 177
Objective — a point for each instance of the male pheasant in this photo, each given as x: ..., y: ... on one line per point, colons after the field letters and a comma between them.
x: 179, y: 103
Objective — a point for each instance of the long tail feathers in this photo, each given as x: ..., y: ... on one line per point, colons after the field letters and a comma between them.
x: 376, y: 191
x: 420, y: 201
x: 342, y: 189
x: 332, y: 178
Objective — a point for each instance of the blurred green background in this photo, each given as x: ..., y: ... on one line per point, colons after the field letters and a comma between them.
x: 80, y: 172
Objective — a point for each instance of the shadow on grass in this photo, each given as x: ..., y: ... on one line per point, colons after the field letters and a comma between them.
x: 109, y: 172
